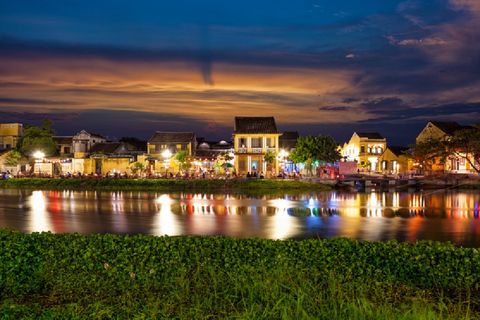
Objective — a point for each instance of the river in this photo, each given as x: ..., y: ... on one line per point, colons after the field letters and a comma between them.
x: 440, y: 215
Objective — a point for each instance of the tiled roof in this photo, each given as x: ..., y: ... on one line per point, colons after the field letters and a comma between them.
x: 449, y: 127
x: 398, y: 151
x: 112, y: 147
x: 63, y: 140
x: 370, y: 135
x: 255, y: 125
x: 98, y: 135
x: 172, y: 137
x: 209, y: 153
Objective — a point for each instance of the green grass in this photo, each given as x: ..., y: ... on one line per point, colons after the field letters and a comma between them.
x: 160, y: 184
x: 72, y: 276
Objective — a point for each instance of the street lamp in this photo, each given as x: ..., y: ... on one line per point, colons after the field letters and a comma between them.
x: 39, y: 155
x: 166, y: 155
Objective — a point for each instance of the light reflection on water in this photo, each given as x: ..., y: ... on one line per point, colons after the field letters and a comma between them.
x: 440, y: 215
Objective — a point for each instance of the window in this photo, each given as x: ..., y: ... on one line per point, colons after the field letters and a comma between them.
x: 362, y: 149
x: 384, y: 165
x: 256, y: 142
x: 242, y: 142
x: 270, y: 142
x: 241, y: 164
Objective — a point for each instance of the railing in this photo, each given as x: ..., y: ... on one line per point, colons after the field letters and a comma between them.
x: 257, y: 150
x: 242, y: 150
x: 271, y: 150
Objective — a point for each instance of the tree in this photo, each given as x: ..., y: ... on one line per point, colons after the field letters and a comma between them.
x: 269, y: 157
x: 38, y: 139
x: 137, y: 166
x: 13, y: 158
x: 183, y: 158
x: 427, y: 153
x: 465, y: 144
x: 312, y: 149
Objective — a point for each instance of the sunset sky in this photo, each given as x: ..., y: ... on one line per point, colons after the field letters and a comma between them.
x: 130, y: 68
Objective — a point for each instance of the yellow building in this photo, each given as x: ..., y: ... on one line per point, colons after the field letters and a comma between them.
x: 252, y: 138
x: 444, y: 130
x: 10, y: 133
x: 163, y: 146
x: 394, y: 161
x: 365, y: 148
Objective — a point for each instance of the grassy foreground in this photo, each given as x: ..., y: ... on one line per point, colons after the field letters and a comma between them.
x: 160, y: 184
x: 72, y: 276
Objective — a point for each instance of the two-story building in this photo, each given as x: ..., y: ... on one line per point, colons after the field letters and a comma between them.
x: 83, y: 141
x: 443, y: 131
x: 253, y: 137
x: 365, y: 147
x: 10, y: 133
x: 163, y: 146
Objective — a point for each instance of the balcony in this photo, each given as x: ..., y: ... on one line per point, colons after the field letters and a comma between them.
x: 250, y: 150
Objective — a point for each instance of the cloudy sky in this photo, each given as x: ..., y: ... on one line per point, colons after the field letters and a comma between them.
x: 130, y: 68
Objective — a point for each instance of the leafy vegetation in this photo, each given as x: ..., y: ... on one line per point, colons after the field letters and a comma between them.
x: 465, y: 144
x: 183, y: 157
x: 312, y: 149
x: 159, y: 184
x: 45, y: 275
x: 13, y: 158
x: 37, y: 139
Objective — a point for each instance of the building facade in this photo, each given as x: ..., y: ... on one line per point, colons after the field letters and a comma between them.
x: 253, y: 137
x: 164, y: 146
x: 444, y: 130
x: 10, y: 133
x: 365, y: 148
x: 83, y: 141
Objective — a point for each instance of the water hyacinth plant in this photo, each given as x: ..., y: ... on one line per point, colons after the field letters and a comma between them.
x: 44, y: 275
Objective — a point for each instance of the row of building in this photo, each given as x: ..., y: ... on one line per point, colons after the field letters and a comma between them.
x: 252, y: 137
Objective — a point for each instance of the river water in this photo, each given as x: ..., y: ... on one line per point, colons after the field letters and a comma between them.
x: 406, y: 216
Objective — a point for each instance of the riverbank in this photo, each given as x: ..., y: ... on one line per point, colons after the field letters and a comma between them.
x: 162, y: 184
x: 73, y: 276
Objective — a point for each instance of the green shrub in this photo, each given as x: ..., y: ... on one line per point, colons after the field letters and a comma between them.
x: 104, y: 276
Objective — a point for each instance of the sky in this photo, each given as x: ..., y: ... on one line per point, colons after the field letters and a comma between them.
x: 130, y: 68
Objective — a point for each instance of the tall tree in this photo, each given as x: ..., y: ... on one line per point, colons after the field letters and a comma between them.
x: 311, y: 149
x: 183, y: 158
x: 38, y: 139
x: 465, y: 144
x: 427, y: 153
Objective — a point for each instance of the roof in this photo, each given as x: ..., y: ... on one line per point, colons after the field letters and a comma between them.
x: 172, y: 137
x: 63, y: 140
x: 208, y: 153
x: 255, y: 125
x: 398, y: 151
x: 370, y: 135
x: 449, y: 127
x: 111, y: 147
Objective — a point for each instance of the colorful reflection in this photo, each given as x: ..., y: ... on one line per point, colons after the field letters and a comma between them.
x: 443, y: 216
